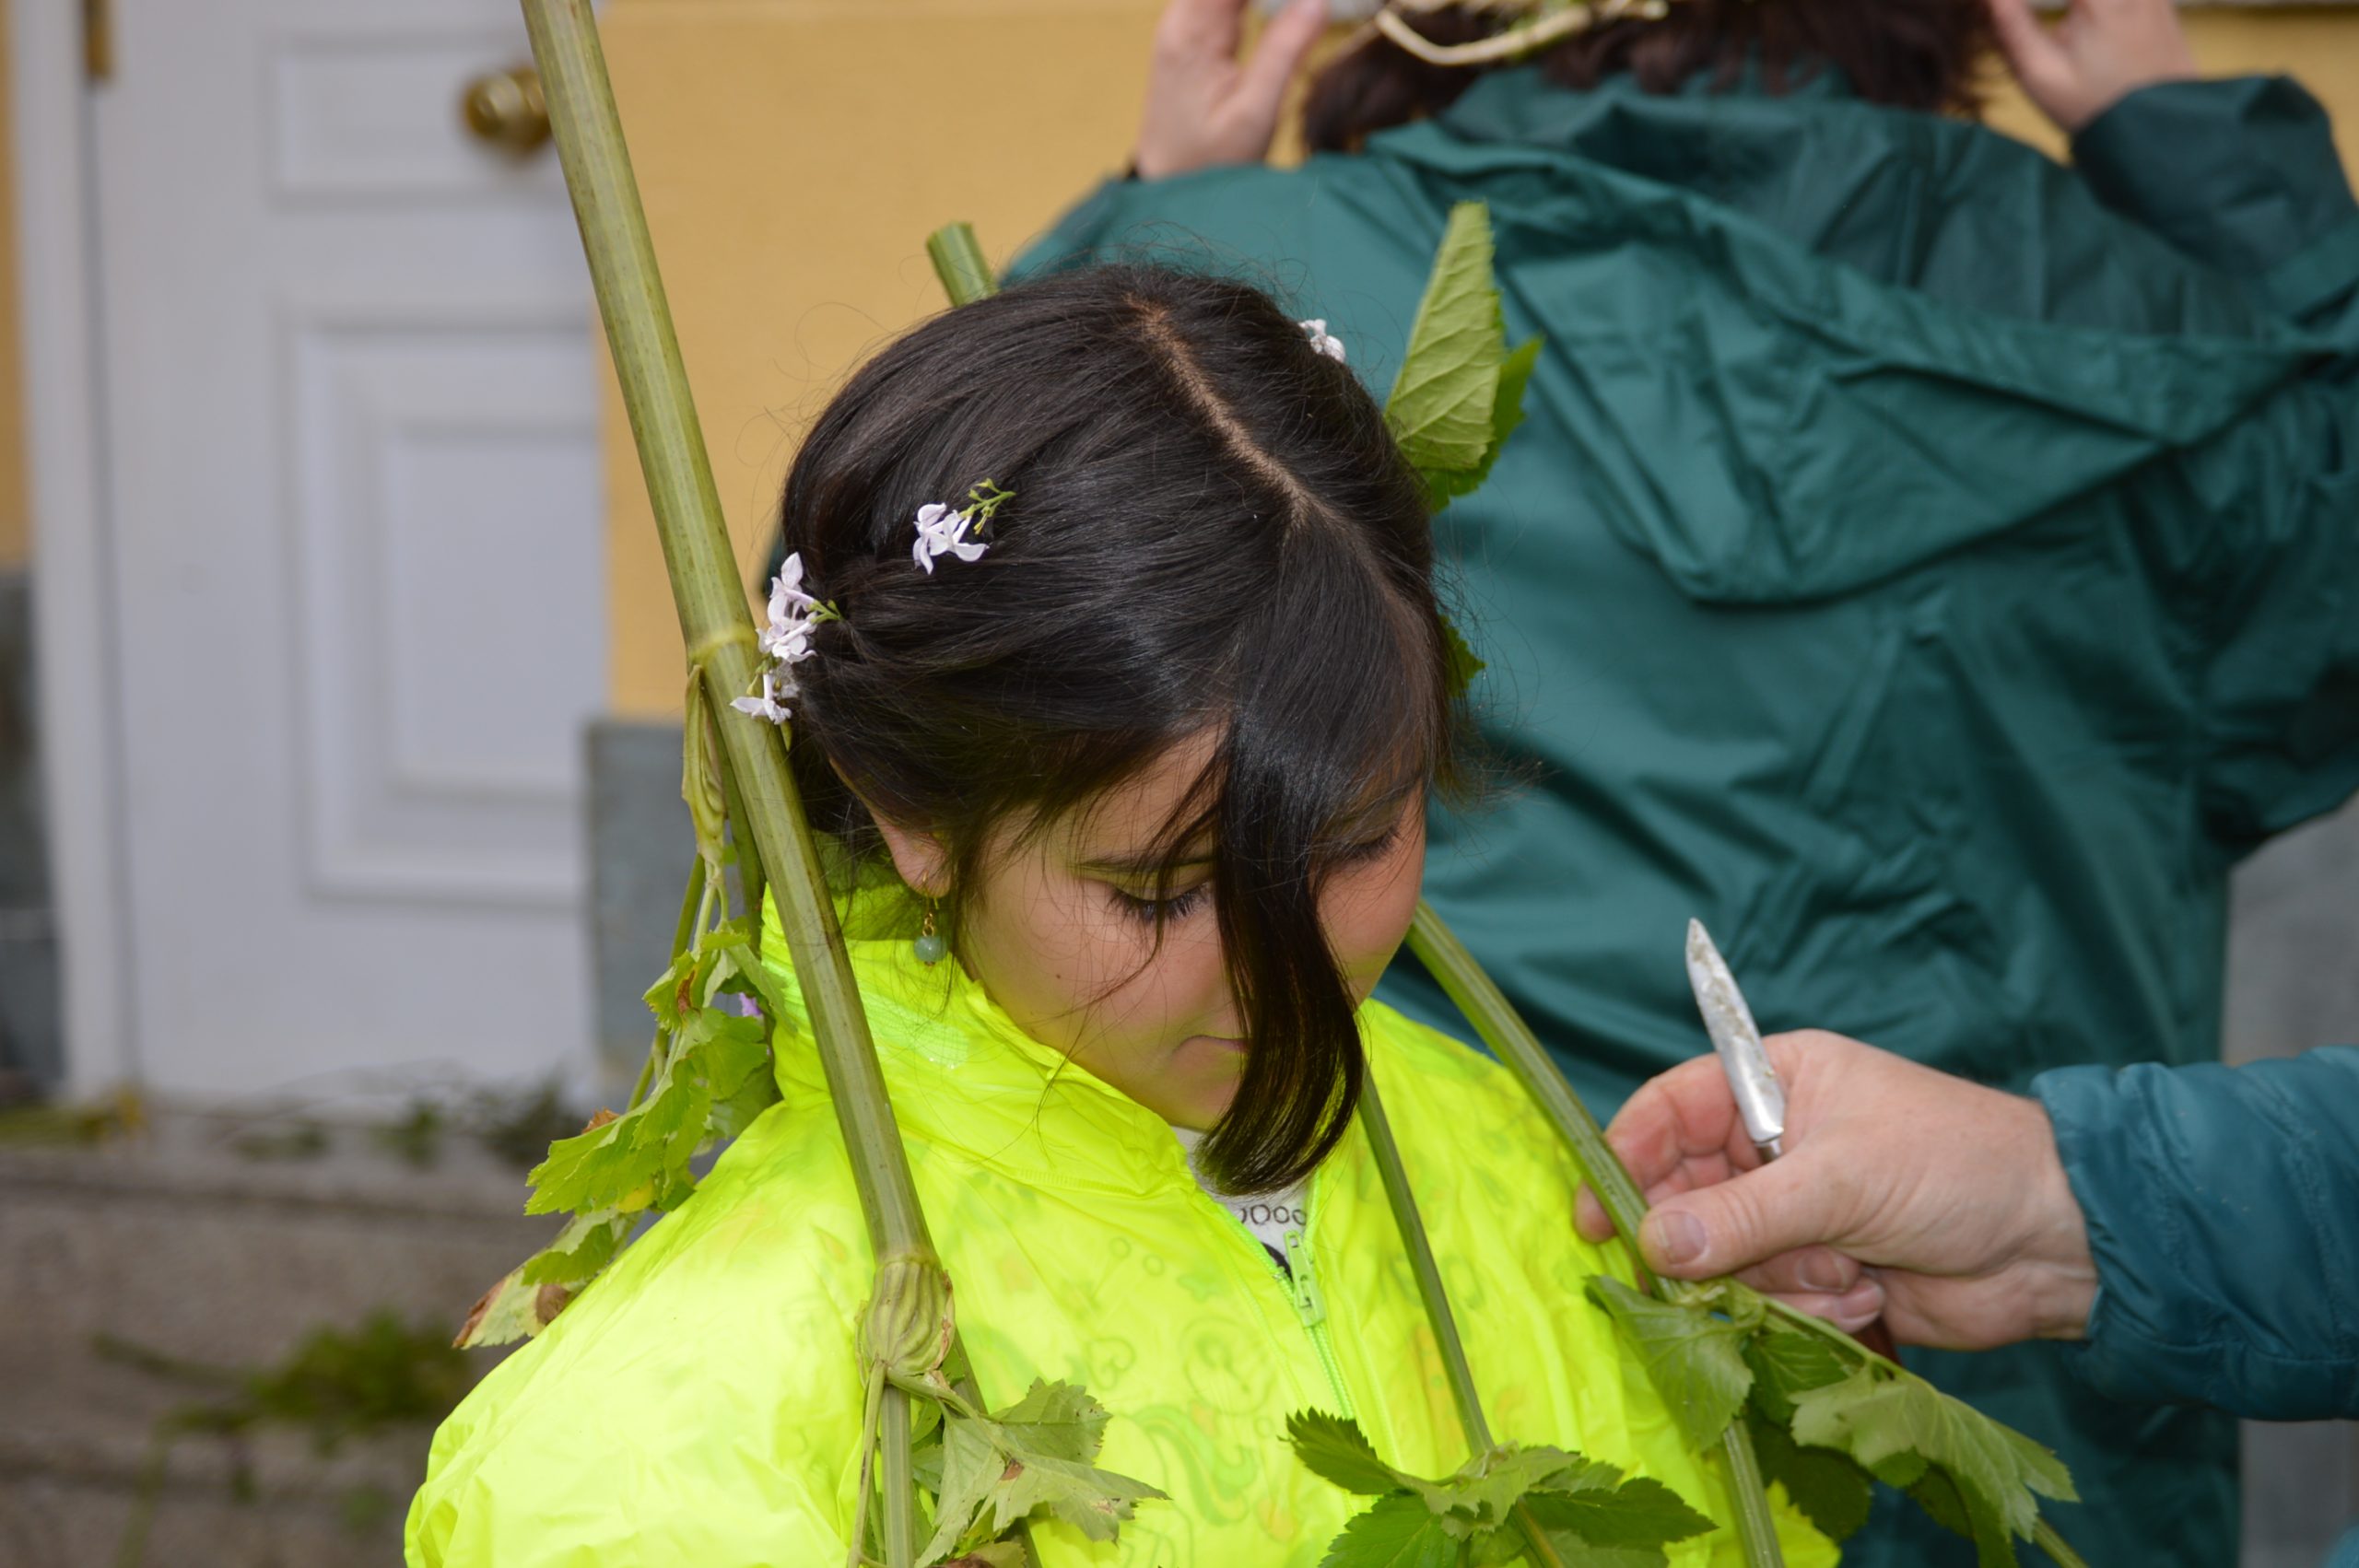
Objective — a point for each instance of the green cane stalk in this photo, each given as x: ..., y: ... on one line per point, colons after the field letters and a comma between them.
x: 718, y: 632
x: 1511, y: 1040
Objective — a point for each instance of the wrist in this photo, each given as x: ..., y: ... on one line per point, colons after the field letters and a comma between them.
x: 2055, y: 1271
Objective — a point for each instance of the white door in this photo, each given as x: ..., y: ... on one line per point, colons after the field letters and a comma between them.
x: 348, y: 407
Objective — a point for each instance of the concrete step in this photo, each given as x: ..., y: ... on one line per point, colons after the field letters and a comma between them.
x: 177, y: 1243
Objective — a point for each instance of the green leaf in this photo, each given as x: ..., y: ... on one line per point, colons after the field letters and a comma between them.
x: 1399, y: 1531
x: 1460, y: 657
x: 1787, y: 1362
x: 1896, y: 1425
x: 1832, y: 1493
x: 1031, y: 1457
x: 587, y: 1245
x: 1444, y: 485
x: 1487, y: 1488
x: 1640, y: 1512
x: 1441, y: 401
x: 1335, y: 1450
x: 1695, y: 1359
x: 513, y: 1309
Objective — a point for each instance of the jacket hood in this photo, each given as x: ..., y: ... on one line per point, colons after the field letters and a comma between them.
x: 1793, y: 361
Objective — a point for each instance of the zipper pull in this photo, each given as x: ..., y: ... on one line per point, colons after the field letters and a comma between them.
x: 1307, y: 1299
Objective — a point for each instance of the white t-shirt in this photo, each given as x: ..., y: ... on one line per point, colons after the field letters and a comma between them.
x: 1269, y: 1215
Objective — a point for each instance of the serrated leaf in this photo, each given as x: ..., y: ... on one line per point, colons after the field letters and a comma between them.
x: 1334, y: 1449
x: 1444, y: 485
x: 1893, y: 1424
x: 1832, y: 1493
x: 511, y: 1310
x: 1487, y: 1488
x: 1786, y: 1361
x: 586, y: 1246
x: 1640, y: 1512
x: 1695, y: 1359
x: 1031, y: 1457
x: 1397, y: 1531
x: 1440, y: 405
x: 1458, y: 657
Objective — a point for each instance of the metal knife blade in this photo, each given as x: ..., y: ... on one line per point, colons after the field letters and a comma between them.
x: 1760, y: 1099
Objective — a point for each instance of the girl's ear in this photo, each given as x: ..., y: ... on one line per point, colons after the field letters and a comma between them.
x: 921, y: 858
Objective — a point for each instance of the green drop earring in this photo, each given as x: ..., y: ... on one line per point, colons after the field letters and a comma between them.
x: 932, y: 948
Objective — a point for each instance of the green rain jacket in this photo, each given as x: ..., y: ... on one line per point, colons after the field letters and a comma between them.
x: 1931, y: 565
x: 701, y: 1403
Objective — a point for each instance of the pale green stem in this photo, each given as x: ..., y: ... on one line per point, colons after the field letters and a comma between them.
x: 718, y: 629
x: 1512, y: 1039
x: 2043, y: 1535
x: 691, y: 902
x: 959, y: 263
x: 1444, y: 1322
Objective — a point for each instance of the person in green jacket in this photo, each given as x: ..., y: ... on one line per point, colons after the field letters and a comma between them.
x: 1931, y: 565
x: 1111, y: 648
x: 2193, y: 1229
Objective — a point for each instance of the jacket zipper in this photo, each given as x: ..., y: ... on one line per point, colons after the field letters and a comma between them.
x: 1300, y: 1283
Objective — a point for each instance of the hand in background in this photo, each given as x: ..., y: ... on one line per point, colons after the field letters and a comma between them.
x: 2100, y: 52
x: 1204, y: 105
x: 1950, y: 1191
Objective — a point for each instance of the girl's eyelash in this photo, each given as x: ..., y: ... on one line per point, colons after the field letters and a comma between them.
x: 1147, y: 911
x: 1180, y: 906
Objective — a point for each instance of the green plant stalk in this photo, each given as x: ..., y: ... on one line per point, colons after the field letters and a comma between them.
x: 1444, y: 1322
x: 718, y: 629
x: 959, y: 263
x: 2043, y: 1535
x: 1501, y: 1028
x: 691, y: 900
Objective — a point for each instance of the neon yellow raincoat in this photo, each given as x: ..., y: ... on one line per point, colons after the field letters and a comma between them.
x: 699, y: 1405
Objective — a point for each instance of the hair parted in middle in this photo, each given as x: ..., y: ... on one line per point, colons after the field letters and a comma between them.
x: 1212, y: 535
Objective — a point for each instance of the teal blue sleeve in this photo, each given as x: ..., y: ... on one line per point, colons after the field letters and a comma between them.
x: 2240, y: 173
x: 2222, y: 1208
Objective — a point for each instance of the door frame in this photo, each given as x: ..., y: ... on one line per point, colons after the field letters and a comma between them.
x: 78, y: 714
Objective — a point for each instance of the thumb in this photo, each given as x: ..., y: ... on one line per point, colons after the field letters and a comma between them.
x: 1739, y: 1223
x: 1286, y: 43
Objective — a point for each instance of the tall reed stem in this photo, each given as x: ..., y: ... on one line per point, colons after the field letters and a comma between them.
x: 1512, y: 1041
x: 718, y: 631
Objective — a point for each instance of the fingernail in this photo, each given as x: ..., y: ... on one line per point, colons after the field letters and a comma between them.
x: 1820, y: 1272
x: 1675, y: 1238
x: 1860, y: 1306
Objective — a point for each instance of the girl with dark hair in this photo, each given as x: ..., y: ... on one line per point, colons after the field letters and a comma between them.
x: 1118, y: 675
x: 1932, y: 565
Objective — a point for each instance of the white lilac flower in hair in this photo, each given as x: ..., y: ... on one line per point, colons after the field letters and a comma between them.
x: 1321, y: 339
x: 944, y: 532
x: 785, y: 641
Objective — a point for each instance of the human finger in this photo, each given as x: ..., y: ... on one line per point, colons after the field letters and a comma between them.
x: 1201, y: 27
x: 1790, y: 1203
x: 2040, y: 62
x: 1851, y: 1311
x: 1810, y: 1270
x: 1286, y: 43
x: 1674, y: 1116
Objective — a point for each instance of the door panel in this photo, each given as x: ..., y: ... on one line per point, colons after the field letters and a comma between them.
x: 351, y: 411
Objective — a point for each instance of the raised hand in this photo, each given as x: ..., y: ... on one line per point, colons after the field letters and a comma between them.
x: 1204, y: 106
x: 1950, y: 1191
x: 2102, y: 50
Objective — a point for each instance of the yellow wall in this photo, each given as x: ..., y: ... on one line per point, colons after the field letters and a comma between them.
x: 795, y: 153
x: 16, y: 528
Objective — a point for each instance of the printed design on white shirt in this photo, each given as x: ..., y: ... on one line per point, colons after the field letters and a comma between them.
x: 1269, y: 1215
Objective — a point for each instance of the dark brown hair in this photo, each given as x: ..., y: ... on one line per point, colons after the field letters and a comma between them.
x: 1212, y: 534
x: 1922, y: 55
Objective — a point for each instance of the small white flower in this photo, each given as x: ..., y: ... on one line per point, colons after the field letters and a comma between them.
x: 942, y: 531
x: 1322, y: 340
x: 775, y: 684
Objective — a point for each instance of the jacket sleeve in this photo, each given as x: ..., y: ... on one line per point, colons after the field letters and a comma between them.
x: 2241, y: 173
x: 2222, y: 1208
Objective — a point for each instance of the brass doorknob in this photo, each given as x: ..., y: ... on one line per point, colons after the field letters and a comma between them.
x: 507, y: 109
